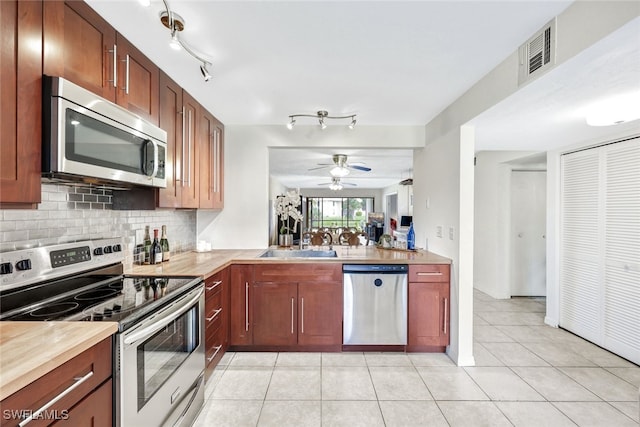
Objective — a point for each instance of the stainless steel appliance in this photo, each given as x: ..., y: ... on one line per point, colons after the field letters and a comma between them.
x: 87, y: 138
x: 159, y: 347
x: 375, y: 304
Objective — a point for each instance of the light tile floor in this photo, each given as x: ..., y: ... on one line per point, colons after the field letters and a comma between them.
x: 526, y: 374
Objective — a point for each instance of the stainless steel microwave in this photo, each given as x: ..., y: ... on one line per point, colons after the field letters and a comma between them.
x: 89, y: 139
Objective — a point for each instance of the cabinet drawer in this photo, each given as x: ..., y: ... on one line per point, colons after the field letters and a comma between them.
x: 213, y: 321
x: 300, y: 273
x: 90, y: 369
x: 212, y: 303
x: 215, y: 346
x: 429, y: 273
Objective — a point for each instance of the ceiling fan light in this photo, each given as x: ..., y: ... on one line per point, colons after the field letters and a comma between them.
x: 339, y: 171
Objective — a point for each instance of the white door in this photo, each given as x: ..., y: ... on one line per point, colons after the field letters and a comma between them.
x: 528, y: 229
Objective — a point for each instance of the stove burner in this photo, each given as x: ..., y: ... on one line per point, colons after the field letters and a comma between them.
x: 54, y: 309
x: 95, y: 294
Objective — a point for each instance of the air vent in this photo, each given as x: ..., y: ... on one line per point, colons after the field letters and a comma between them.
x: 408, y: 181
x: 538, y: 54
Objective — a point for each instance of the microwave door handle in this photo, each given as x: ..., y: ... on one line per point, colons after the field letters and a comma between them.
x: 145, y: 160
x: 156, y: 159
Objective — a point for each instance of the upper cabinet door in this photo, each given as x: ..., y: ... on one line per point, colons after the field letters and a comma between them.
x: 21, y: 102
x: 171, y: 121
x: 206, y: 158
x: 218, y: 165
x: 190, y: 134
x: 138, y: 82
x: 80, y: 46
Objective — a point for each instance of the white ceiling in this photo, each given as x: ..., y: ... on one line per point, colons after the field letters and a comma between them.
x: 389, y: 62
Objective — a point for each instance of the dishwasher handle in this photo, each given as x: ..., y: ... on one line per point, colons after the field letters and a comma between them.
x: 375, y: 269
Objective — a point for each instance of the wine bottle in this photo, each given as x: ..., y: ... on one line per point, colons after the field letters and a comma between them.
x: 411, y: 238
x: 164, y: 243
x: 147, y: 245
x: 156, y: 249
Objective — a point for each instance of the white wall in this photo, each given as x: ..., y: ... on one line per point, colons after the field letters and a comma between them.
x: 492, y: 222
x: 244, y: 222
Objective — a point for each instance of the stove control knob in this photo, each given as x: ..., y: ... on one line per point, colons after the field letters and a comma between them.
x: 97, y: 251
x: 117, y: 248
x: 23, y: 264
x: 107, y: 249
x: 6, y: 268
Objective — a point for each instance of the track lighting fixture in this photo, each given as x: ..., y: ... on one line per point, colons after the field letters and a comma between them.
x: 175, y: 24
x: 321, y: 115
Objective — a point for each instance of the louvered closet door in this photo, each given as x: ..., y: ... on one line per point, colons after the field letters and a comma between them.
x: 600, y: 253
x: 622, y: 249
x: 580, y: 266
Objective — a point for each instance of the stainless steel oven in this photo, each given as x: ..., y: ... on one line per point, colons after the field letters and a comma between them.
x: 88, y: 138
x: 158, y: 361
x: 159, y: 356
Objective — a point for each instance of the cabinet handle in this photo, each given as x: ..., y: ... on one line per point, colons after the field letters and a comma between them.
x: 126, y: 75
x: 47, y: 405
x: 213, y: 162
x: 189, y: 154
x: 291, y: 315
x: 114, y: 51
x: 302, y: 315
x: 213, y: 356
x: 246, y: 306
x: 430, y: 273
x: 216, y: 164
x: 184, y: 119
x: 215, y: 313
x: 444, y: 321
x: 215, y: 285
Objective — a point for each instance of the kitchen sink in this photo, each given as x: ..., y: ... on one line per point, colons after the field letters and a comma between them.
x: 298, y: 253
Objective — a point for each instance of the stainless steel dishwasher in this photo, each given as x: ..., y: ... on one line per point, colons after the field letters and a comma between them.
x: 375, y: 304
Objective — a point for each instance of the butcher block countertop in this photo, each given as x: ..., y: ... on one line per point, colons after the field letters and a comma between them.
x: 206, y: 264
x: 29, y: 350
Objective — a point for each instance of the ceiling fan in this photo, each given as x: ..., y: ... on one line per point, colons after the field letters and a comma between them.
x: 336, y: 184
x: 341, y: 167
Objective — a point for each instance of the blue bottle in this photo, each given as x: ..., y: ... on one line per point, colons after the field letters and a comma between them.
x: 411, y: 238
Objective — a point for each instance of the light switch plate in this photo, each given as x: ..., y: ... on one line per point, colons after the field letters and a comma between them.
x: 450, y: 233
x: 439, y: 231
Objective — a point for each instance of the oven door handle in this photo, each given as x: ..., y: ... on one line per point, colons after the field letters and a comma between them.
x: 166, y: 316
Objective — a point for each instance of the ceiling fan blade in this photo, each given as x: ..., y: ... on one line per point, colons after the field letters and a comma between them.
x: 325, y: 183
x: 319, y: 167
x: 360, y: 168
x: 349, y: 183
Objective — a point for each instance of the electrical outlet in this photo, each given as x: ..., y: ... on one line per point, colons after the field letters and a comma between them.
x: 439, y: 231
x: 450, y: 233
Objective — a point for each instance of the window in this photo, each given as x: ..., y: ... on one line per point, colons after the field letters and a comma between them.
x: 332, y: 212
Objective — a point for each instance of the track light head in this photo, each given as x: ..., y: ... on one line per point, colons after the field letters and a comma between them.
x: 323, y: 125
x: 205, y: 72
x: 291, y: 123
x: 353, y: 122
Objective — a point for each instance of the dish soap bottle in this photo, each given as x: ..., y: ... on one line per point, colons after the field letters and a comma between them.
x: 411, y: 238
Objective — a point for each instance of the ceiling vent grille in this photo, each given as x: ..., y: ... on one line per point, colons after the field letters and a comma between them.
x: 538, y: 54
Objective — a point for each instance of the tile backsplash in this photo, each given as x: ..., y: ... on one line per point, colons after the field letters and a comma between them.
x: 69, y: 213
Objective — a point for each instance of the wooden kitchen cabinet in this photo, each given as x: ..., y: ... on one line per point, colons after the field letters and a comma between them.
x: 82, y: 47
x: 216, y: 319
x: 287, y: 306
x: 138, y: 82
x: 88, y: 404
x: 179, y: 117
x: 21, y: 101
x: 241, y: 279
x: 428, y: 311
x: 211, y: 158
x: 274, y: 308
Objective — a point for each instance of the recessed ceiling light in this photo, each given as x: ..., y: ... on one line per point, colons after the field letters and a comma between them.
x: 614, y: 111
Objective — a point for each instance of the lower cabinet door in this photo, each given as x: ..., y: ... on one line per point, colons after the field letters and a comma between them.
x: 320, y: 313
x: 426, y: 315
x: 95, y: 410
x: 275, y: 313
